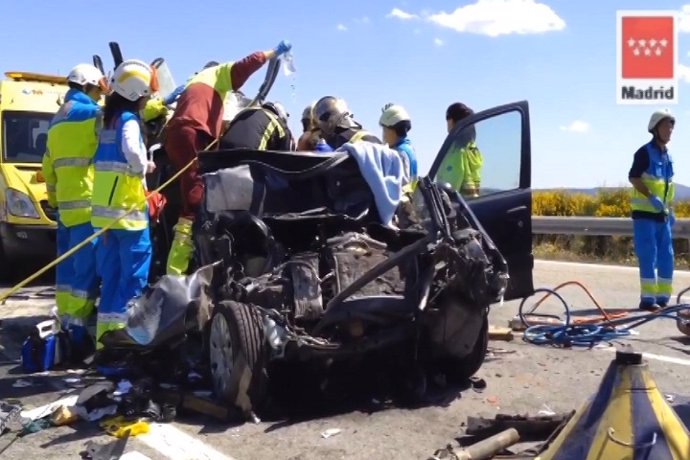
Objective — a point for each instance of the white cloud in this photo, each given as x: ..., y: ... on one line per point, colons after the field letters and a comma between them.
x: 400, y: 14
x: 438, y: 42
x: 363, y: 20
x: 577, y: 126
x: 501, y: 17
x: 684, y: 73
x: 341, y: 27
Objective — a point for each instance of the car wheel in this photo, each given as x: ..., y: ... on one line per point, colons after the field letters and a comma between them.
x: 237, y: 356
x: 459, y: 370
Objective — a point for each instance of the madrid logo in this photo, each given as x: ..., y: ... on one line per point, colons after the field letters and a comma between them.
x: 647, y: 53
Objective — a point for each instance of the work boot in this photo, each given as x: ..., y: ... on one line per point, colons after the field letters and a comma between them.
x: 109, y: 363
x: 649, y: 306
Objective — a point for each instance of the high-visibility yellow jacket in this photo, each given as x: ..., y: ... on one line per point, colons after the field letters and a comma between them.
x: 658, y: 177
x: 67, y: 162
x: 461, y: 168
x: 117, y: 189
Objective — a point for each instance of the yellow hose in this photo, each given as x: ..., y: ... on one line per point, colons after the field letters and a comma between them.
x: 18, y: 286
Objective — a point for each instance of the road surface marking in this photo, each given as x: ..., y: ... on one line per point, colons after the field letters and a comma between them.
x: 564, y: 264
x: 178, y: 445
x: 134, y: 455
x: 663, y: 358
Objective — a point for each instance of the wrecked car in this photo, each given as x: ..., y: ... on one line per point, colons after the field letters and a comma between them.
x: 295, y: 262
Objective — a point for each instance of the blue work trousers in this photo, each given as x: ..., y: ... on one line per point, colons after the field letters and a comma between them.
x: 76, y: 278
x: 654, y: 250
x: 123, y: 260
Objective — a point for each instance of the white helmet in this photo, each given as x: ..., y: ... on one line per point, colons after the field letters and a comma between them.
x: 392, y: 114
x: 134, y: 79
x: 331, y: 112
x: 657, y: 117
x: 86, y: 74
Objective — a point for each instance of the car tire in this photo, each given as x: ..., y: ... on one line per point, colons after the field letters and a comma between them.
x: 238, y: 356
x: 459, y: 370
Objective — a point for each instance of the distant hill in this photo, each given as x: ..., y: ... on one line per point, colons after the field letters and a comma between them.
x: 682, y: 191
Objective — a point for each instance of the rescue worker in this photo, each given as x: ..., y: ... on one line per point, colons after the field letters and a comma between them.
x: 259, y: 128
x: 337, y: 125
x: 197, y: 122
x: 311, y: 139
x: 461, y: 166
x: 68, y: 171
x: 121, y: 164
x: 396, y: 123
x: 651, y: 176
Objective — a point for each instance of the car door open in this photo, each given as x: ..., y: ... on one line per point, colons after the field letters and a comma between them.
x: 487, y: 159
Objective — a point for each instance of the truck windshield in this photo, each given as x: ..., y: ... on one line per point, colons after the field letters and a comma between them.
x: 24, y: 136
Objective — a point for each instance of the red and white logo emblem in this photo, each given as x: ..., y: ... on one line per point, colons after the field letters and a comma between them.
x: 647, y: 56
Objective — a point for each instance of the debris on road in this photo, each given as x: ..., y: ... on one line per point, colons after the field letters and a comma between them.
x: 482, y: 450
x: 329, y: 433
x: 500, y: 333
x: 539, y: 426
x: 21, y: 383
x: 63, y: 415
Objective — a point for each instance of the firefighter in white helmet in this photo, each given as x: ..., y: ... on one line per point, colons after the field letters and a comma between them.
x: 121, y: 164
x: 396, y: 123
x: 71, y: 144
x: 651, y: 175
x: 337, y: 125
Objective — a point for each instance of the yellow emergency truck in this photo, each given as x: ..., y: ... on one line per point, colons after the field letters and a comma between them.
x: 28, y: 102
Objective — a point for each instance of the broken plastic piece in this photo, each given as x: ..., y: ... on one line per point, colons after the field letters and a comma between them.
x: 120, y: 426
x: 63, y: 415
x: 331, y: 432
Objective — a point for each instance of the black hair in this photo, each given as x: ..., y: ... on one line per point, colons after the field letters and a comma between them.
x: 401, y: 128
x: 457, y: 111
x: 115, y: 105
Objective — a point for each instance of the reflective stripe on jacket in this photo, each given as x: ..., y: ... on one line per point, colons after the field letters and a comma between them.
x: 67, y: 162
x: 117, y: 188
x: 461, y: 168
x: 256, y: 128
x: 657, y: 177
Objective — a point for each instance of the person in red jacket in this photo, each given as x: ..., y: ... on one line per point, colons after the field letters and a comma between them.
x: 197, y: 121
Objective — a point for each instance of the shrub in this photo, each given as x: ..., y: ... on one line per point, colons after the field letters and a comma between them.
x: 604, y: 203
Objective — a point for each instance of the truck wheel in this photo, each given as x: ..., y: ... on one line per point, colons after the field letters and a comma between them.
x: 459, y: 370
x: 238, y: 356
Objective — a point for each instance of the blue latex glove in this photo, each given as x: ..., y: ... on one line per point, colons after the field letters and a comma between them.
x: 283, y: 47
x: 657, y: 203
x: 172, y: 97
x: 671, y: 218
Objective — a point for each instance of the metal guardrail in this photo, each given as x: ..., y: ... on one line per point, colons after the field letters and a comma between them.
x: 597, y: 226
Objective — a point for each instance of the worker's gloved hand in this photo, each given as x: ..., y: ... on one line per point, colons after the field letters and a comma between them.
x: 671, y: 218
x: 283, y: 47
x: 657, y: 203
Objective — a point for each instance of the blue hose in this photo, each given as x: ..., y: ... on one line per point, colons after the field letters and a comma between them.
x: 587, y: 335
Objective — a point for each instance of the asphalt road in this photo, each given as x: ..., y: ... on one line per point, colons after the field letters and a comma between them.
x: 520, y: 378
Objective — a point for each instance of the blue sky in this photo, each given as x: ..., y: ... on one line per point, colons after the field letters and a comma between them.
x: 563, y: 62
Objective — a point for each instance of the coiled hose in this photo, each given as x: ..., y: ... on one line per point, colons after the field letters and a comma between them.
x: 587, y: 332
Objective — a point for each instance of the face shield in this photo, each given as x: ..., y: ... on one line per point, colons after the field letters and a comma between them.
x: 166, y: 82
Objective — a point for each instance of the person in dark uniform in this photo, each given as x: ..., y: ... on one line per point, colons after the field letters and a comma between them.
x: 259, y: 128
x: 337, y: 125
